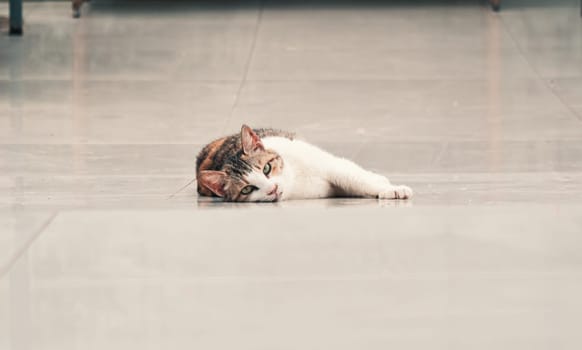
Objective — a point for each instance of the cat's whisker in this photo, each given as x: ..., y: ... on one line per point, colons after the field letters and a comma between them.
x: 181, y: 189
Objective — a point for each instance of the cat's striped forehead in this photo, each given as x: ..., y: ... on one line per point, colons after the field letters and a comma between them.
x: 237, y: 167
x: 240, y: 165
x: 218, y: 153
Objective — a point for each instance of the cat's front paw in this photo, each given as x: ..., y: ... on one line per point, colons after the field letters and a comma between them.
x: 396, y: 192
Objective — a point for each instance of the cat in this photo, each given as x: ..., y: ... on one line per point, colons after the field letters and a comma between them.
x: 268, y: 165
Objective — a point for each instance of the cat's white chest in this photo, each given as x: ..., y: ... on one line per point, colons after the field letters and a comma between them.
x: 304, y: 175
x: 308, y: 185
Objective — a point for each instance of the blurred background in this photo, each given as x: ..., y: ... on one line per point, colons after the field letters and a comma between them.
x: 102, y: 116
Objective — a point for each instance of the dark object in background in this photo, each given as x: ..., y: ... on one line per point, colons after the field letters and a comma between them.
x: 77, y: 7
x: 495, y: 5
x: 15, y: 17
x: 16, y: 12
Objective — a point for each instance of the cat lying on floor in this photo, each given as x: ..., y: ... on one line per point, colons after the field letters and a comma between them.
x: 267, y: 165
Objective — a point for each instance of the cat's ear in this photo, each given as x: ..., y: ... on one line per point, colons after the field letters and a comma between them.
x: 213, y: 180
x: 250, y: 140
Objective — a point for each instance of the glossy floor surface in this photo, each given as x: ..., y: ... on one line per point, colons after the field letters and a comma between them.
x: 480, y: 113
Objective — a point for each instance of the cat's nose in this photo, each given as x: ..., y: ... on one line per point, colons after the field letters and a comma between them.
x: 273, y: 191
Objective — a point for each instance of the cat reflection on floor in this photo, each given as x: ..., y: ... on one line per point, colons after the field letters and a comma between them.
x: 268, y: 165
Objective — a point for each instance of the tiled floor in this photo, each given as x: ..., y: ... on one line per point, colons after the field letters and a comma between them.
x: 101, y: 119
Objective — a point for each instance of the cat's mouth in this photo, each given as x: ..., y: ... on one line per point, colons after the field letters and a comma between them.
x: 276, y: 193
x: 277, y: 196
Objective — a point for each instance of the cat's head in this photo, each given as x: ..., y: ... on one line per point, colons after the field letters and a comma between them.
x: 252, y: 174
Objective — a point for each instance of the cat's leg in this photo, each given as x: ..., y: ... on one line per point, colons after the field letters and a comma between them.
x: 353, y: 180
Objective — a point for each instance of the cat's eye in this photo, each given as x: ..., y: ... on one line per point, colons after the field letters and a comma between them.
x: 247, y: 190
x: 267, y: 169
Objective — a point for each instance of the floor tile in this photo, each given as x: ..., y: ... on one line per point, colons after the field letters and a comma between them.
x: 300, y: 249
x: 71, y: 49
x: 121, y: 60
x: 94, y: 159
x: 492, y: 156
x: 380, y: 26
x: 369, y: 111
x: 386, y: 64
x: 90, y: 111
x: 69, y: 191
x: 467, y: 271
x: 510, y: 156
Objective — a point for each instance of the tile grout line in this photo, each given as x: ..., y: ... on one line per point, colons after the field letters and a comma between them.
x: 570, y: 108
x: 7, y: 266
x: 247, y: 66
x: 548, y: 86
x: 262, y: 80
